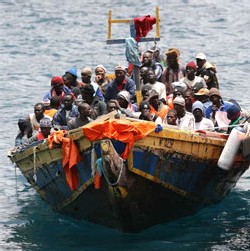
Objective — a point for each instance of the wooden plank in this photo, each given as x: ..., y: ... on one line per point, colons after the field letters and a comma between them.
x: 142, y: 39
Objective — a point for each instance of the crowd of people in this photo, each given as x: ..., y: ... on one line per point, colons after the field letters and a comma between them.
x: 186, y: 97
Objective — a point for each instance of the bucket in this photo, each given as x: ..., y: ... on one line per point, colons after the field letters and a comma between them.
x: 231, y: 148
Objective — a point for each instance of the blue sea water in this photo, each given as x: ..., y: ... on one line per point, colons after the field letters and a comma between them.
x: 39, y: 39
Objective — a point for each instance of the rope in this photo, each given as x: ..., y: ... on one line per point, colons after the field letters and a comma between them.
x: 119, y: 176
x: 34, y: 163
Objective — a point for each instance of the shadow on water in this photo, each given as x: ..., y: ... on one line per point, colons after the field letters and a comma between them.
x: 224, y: 226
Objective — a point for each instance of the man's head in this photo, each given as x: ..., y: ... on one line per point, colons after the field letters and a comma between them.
x: 123, y: 98
x: 172, y: 117
x: 86, y: 74
x: 215, y: 97
x: 172, y: 57
x: 198, y: 111
x: 202, y: 95
x: 87, y: 92
x: 147, y: 58
x: 200, y: 59
x: 68, y: 101
x: 151, y: 76
x: 70, y: 77
x: 120, y: 73
x: 57, y: 83
x: 112, y: 105
x: 144, y: 108
x: 39, y: 110
x: 191, y: 70
x: 85, y: 110
x: 233, y: 112
x: 100, y: 72
x: 179, y: 106
x: 45, y: 126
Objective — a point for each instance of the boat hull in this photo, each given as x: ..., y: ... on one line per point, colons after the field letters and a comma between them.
x: 167, y: 175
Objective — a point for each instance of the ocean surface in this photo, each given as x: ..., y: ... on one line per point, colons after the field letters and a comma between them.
x: 40, y: 39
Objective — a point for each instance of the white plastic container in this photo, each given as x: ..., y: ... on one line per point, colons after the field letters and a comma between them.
x: 231, y: 148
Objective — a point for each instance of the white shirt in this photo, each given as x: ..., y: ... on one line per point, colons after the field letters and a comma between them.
x: 187, y: 122
x: 196, y: 79
x: 160, y: 88
x: 204, y: 124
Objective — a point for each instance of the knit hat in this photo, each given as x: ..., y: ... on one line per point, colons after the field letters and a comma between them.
x: 201, y: 56
x: 87, y: 89
x: 192, y: 65
x: 120, y: 67
x: 202, y: 91
x: 233, y: 112
x: 72, y: 71
x: 45, y: 122
x: 87, y: 71
x: 125, y: 95
x: 198, y: 105
x: 101, y: 66
x: 214, y: 91
x: 57, y: 80
x: 179, y: 101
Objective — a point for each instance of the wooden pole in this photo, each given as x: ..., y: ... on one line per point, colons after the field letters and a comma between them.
x: 109, y: 24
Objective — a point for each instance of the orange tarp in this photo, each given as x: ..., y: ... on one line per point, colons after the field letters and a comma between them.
x: 122, y: 130
x: 71, y: 156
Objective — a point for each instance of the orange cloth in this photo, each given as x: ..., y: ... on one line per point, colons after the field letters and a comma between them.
x: 50, y: 112
x: 162, y: 113
x: 122, y: 130
x: 71, y: 156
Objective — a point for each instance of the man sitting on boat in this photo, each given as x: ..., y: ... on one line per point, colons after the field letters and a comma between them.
x: 86, y: 74
x: 171, y: 118
x: 66, y: 112
x: 174, y: 71
x: 101, y: 79
x: 185, y: 120
x: 144, y: 108
x: 121, y: 82
x: 217, y: 111
x: 58, y: 88
x: 43, y: 133
x: 98, y: 106
x: 84, y: 117
x: 201, y: 123
x: 157, y: 107
x: 156, y: 85
x: 207, y: 71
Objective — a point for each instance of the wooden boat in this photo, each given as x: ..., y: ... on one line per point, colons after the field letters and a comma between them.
x: 162, y: 176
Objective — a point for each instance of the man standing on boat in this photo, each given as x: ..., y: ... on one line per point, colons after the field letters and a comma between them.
x: 121, y: 82
x: 207, y: 71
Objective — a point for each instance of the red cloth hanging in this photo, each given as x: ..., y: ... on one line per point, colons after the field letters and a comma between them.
x: 143, y: 25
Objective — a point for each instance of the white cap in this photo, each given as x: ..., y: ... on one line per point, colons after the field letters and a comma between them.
x: 201, y: 56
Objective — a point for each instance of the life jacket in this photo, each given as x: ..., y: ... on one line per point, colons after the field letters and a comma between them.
x: 162, y: 113
x: 39, y: 136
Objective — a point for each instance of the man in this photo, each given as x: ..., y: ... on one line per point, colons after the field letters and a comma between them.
x: 157, y: 107
x: 51, y: 106
x: 236, y: 117
x: 121, y: 82
x: 86, y: 74
x: 99, y: 107
x: 217, y: 111
x: 203, y: 96
x: 147, y: 61
x: 171, y: 118
x: 34, y: 118
x: 57, y: 89
x: 190, y: 79
x: 201, y: 123
x: 189, y: 99
x: 70, y: 80
x: 207, y: 71
x: 157, y: 86
x: 101, y: 79
x: 85, y: 114
x: 66, y: 112
x: 144, y: 108
x: 185, y: 120
x: 43, y: 133
x: 173, y: 71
